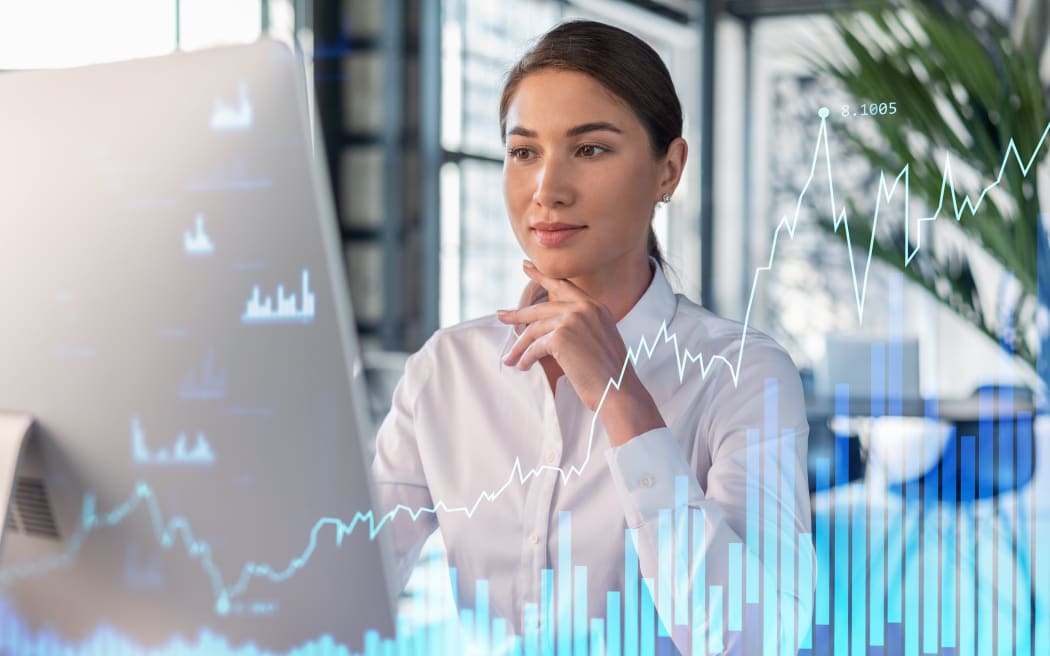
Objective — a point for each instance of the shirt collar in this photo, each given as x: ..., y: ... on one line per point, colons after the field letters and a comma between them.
x: 655, y: 309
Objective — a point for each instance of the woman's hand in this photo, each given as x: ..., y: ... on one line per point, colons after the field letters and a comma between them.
x: 581, y: 335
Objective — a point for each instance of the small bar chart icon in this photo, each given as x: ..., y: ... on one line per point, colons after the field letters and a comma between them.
x: 225, y: 118
x: 286, y: 309
x: 197, y: 242
x: 204, y: 382
x: 180, y: 453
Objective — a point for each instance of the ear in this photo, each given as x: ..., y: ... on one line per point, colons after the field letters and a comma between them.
x: 671, y: 166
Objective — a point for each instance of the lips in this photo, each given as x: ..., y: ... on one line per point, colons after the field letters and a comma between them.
x: 554, y: 234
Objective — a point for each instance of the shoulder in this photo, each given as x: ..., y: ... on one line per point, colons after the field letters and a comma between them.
x: 748, y: 349
x: 461, y: 345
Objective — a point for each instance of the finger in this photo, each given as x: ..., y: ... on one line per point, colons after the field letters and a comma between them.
x: 561, y: 286
x: 533, y: 312
x: 539, y: 348
x: 532, y: 333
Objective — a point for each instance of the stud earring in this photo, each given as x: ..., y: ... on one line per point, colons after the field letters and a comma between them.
x: 666, y: 198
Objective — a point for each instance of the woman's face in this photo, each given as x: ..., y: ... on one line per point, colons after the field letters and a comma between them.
x: 579, y: 177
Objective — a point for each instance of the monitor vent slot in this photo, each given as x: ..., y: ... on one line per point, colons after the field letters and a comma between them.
x: 11, y: 523
x: 34, y: 508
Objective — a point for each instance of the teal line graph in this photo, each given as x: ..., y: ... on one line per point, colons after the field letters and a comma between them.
x: 225, y: 594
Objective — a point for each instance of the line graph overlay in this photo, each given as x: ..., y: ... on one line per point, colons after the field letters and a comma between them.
x: 167, y: 532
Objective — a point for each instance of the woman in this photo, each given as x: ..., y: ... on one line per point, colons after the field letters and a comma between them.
x: 532, y: 439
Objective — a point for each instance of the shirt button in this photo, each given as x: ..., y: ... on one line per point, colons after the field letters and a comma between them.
x: 551, y: 457
x: 534, y: 538
x: 645, y: 480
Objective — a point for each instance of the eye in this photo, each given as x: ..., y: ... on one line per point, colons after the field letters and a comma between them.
x: 591, y: 150
x: 519, y: 153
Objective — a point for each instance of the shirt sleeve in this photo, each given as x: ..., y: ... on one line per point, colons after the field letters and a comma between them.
x: 397, y: 470
x: 745, y: 539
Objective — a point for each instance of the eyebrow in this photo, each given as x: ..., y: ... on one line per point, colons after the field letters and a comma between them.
x: 595, y: 126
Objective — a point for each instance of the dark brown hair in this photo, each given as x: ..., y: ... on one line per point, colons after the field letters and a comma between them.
x: 622, y: 63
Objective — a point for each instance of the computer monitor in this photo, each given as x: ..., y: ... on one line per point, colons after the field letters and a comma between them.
x: 176, y: 319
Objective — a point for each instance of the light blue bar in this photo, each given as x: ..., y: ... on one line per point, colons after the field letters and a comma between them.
x: 770, y: 521
x: 931, y: 556
x: 466, y: 623
x: 630, y: 592
x: 859, y: 612
x: 876, y: 525
x: 372, y: 643
x: 401, y: 634
x: 912, y: 555
x: 499, y: 635
x: 895, y: 408
x: 699, y: 619
x: 754, y: 484
x: 841, y: 577
x: 967, y: 552
x: 531, y: 637
x: 612, y: 624
x: 664, y: 562
x: 1027, y: 624
x: 580, y: 611
x: 564, y: 584
x: 597, y: 637
x: 949, y: 595
x: 1006, y: 623
x: 481, y: 614
x: 822, y: 611
x: 786, y: 534
x: 681, y: 551
x: 547, y: 612
x: 389, y: 648
x: 715, y: 644
x: 647, y: 634
x: 805, y: 583
x: 736, y: 575
x: 420, y: 599
x: 985, y: 565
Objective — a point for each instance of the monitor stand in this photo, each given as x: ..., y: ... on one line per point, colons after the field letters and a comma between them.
x: 14, y: 432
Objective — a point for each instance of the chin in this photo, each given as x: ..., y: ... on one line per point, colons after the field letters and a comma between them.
x: 557, y: 265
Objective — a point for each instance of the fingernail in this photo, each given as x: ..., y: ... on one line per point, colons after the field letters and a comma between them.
x: 529, y: 265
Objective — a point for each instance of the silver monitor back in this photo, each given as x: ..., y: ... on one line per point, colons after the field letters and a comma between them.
x: 176, y: 318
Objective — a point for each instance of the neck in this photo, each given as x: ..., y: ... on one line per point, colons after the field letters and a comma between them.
x: 619, y: 285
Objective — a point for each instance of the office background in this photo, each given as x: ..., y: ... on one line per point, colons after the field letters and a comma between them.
x: 407, y: 94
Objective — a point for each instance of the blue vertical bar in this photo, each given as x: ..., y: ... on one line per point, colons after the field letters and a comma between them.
x: 822, y: 613
x: 547, y: 612
x: 985, y: 564
x: 754, y: 484
x: 1007, y: 473
x: 664, y: 561
x: 630, y: 592
x: 788, y: 537
x: 372, y: 643
x: 531, y: 636
x: 842, y: 574
x: 931, y: 565
x: 1025, y: 554
x: 420, y: 597
x: 564, y: 583
x: 499, y: 635
x: 912, y: 553
x: 967, y: 552
x: 805, y: 584
x: 770, y: 519
x: 736, y: 575
x: 876, y: 521
x: 466, y: 623
x: 612, y: 623
x: 481, y: 614
x: 715, y: 643
x: 580, y: 611
x: 597, y: 637
x: 895, y: 408
x: 949, y: 503
x: 647, y: 636
x: 681, y: 551
x: 699, y: 601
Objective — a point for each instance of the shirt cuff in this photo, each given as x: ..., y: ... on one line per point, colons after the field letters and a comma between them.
x: 644, y: 471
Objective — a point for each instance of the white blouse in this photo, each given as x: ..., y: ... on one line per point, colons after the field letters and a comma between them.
x: 511, y: 472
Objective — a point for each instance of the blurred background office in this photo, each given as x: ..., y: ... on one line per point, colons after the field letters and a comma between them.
x: 955, y: 311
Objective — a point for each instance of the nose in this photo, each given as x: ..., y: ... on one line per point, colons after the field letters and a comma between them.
x: 554, y: 184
